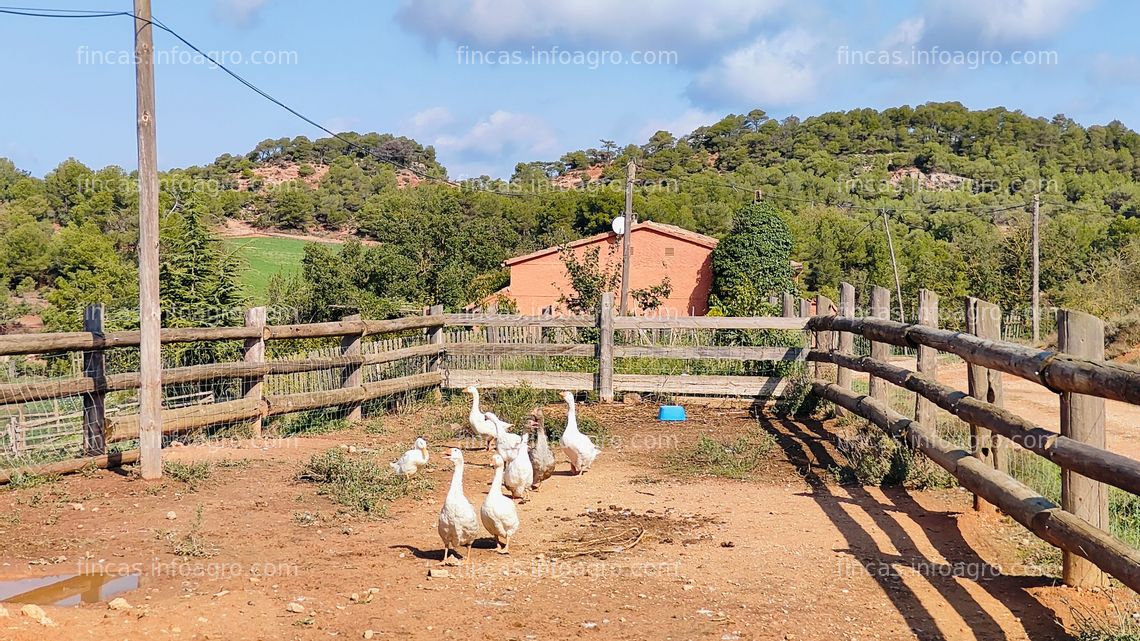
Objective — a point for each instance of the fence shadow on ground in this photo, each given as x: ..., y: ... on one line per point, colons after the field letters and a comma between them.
x: 809, y: 446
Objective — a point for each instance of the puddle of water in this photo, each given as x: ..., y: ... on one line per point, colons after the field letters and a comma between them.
x: 67, y: 589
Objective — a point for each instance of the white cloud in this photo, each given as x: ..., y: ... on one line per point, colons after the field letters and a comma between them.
x: 905, y: 34
x: 768, y: 72
x: 681, y: 125
x: 503, y: 134
x: 694, y: 30
x: 432, y: 119
x: 997, y: 23
x: 238, y: 13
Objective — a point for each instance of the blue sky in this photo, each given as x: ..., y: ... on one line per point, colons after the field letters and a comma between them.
x: 413, y: 67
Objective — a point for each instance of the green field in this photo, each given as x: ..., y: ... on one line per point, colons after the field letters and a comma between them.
x: 264, y: 257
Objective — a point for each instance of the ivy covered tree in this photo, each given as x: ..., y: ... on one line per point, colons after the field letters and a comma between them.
x: 754, y: 260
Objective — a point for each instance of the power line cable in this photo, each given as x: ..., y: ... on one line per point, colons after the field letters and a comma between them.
x: 78, y: 13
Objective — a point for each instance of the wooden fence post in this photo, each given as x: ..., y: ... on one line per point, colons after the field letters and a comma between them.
x: 606, y: 348
x: 95, y: 368
x: 492, y: 333
x: 880, y: 308
x: 435, y: 336
x: 983, y: 319
x: 254, y: 352
x: 1082, y: 419
x: 352, y: 376
x: 843, y: 375
x: 788, y: 305
x: 925, y: 413
x: 824, y: 341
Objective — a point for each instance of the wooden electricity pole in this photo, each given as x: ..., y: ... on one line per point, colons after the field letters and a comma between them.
x: 895, y: 266
x: 626, y: 249
x: 1036, y: 268
x: 150, y: 321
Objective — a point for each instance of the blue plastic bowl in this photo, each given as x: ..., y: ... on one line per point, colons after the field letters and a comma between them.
x: 671, y: 413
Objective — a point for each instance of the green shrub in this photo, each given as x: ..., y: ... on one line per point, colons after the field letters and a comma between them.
x: 359, y: 483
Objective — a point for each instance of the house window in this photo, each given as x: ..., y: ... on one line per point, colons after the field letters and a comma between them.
x: 668, y: 251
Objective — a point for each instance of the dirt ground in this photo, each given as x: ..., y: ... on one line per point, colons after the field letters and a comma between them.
x: 1035, y: 403
x: 787, y: 555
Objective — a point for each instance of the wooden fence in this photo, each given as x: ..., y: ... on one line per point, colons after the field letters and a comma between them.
x: 253, y: 405
x: 605, y: 350
x: 1077, y: 372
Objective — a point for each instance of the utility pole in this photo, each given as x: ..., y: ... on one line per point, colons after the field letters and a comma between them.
x: 150, y: 321
x: 1036, y: 268
x: 895, y: 266
x: 626, y: 249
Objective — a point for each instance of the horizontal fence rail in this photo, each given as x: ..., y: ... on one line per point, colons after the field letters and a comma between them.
x: 1080, y: 525
x: 1055, y: 371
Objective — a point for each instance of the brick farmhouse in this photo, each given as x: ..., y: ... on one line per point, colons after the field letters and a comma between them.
x: 539, y: 278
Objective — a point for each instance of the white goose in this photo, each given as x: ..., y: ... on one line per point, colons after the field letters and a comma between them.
x: 578, y: 447
x: 412, y: 460
x: 498, y: 512
x: 478, y: 419
x: 458, y: 524
x: 505, y: 442
x: 519, y: 474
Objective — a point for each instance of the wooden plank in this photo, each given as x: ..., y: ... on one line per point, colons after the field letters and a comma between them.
x: 512, y: 320
x: 304, y: 401
x: 400, y: 354
x: 435, y: 338
x: 1058, y: 372
x: 846, y: 339
x: 387, y: 387
x: 522, y: 349
x: 787, y: 305
x: 750, y: 386
x: 978, y: 382
x: 103, y: 461
x: 351, y: 376
x: 253, y: 354
x: 824, y: 340
x: 1082, y: 419
x: 491, y: 334
x: 880, y: 308
x: 727, y: 352
x: 183, y: 419
x: 430, y: 321
x: 606, y: 341
x: 709, y: 322
x: 48, y: 343
x: 927, y: 362
x: 95, y: 369
x: 574, y: 381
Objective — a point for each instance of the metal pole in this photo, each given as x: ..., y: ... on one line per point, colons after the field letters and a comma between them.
x: 894, y: 266
x: 626, y: 249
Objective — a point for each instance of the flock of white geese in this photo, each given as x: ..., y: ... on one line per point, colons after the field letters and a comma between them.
x: 519, y: 466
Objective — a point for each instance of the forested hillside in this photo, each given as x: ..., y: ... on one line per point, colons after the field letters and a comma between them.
x: 956, y: 186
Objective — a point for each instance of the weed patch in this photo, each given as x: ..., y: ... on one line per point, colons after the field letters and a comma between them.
x: 358, y: 483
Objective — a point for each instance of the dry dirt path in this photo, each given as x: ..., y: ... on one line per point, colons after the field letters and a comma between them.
x: 1035, y: 403
x: 789, y: 555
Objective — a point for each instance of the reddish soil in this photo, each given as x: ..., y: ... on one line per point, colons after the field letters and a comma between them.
x: 785, y: 555
x: 233, y: 228
x: 1035, y: 403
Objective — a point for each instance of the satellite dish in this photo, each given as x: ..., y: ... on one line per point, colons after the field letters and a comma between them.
x: 619, y: 225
